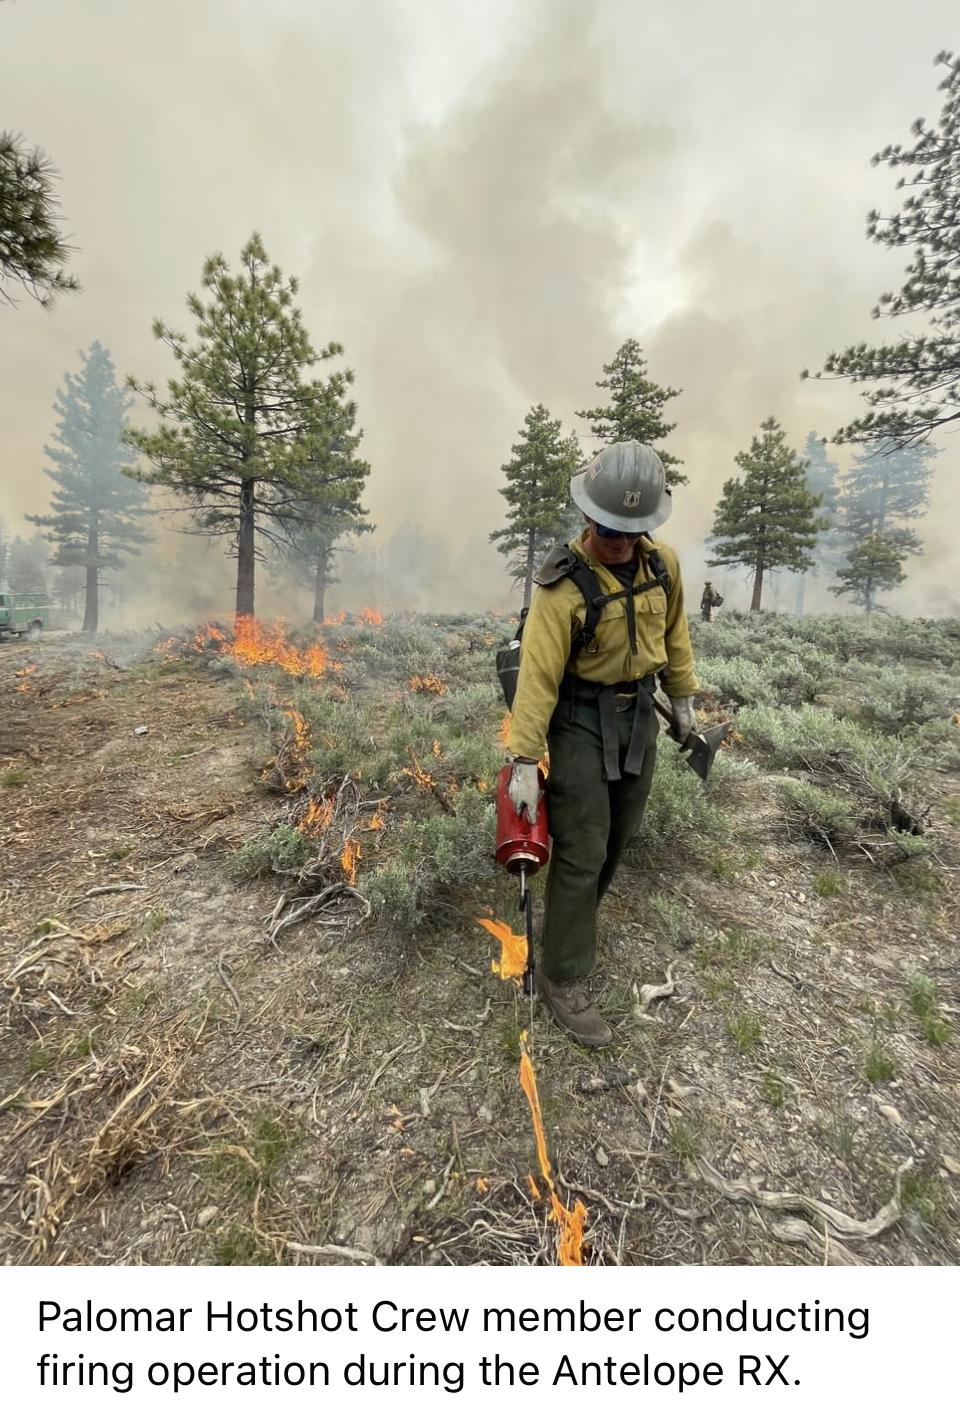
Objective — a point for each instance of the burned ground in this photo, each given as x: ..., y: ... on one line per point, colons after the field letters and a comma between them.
x: 248, y: 1014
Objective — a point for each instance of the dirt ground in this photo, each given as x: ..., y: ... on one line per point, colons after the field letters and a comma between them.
x: 175, y: 1088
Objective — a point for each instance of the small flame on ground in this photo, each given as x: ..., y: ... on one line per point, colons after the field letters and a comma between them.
x: 416, y: 772
x: 317, y: 818
x: 505, y: 729
x: 377, y: 819
x: 336, y: 619
x: 513, y: 950
x: 349, y: 860
x: 483, y: 1185
x: 26, y: 674
x: 367, y: 616
x: 427, y: 683
x: 571, y: 1222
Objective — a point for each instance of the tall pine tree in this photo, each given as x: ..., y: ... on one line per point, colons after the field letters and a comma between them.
x: 885, y: 490
x: 767, y: 519
x: 636, y: 407
x: 245, y: 437
x: 97, y: 512
x: 916, y: 380
x: 537, y: 492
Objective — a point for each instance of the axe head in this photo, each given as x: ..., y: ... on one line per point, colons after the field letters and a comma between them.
x: 701, y: 748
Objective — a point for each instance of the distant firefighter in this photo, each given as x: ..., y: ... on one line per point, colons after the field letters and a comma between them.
x: 709, y: 601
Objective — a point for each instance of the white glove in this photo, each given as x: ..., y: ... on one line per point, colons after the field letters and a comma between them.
x: 523, y: 788
x: 684, y: 721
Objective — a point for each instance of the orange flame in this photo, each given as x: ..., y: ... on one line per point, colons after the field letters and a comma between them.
x: 571, y: 1222
x: 505, y: 729
x: 26, y: 674
x: 349, y: 860
x: 483, y: 1185
x: 513, y: 950
x: 416, y: 772
x: 376, y: 819
x: 370, y: 617
x: 258, y: 643
x: 335, y: 619
x: 317, y: 818
x: 254, y: 643
x: 427, y: 683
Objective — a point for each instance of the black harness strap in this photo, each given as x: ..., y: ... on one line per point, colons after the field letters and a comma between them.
x: 588, y: 583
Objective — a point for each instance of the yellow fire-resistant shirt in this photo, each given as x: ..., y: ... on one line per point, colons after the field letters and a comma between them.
x: 556, y: 614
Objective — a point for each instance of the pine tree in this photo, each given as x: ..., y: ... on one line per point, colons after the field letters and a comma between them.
x: 97, y: 511
x: 27, y: 562
x: 32, y: 249
x: 636, y: 407
x: 537, y: 492
x: 884, y: 491
x: 4, y: 547
x: 767, y: 519
x: 873, y: 564
x: 822, y: 482
x: 245, y: 438
x: 313, y: 541
x: 917, y: 379
x: 68, y: 587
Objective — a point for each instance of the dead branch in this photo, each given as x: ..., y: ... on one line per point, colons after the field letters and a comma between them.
x: 842, y: 1224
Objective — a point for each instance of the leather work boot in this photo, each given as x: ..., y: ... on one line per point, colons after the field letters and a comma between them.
x: 574, y: 1011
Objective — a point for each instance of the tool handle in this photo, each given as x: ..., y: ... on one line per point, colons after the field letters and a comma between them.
x: 665, y: 712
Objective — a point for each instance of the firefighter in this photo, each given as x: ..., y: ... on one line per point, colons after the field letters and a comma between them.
x: 589, y: 701
x: 709, y: 601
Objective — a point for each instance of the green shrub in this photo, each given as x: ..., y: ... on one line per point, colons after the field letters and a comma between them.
x: 680, y: 811
x: 814, y: 739
x: 827, y: 816
x: 283, y: 850
x: 744, y: 1028
x: 433, y: 857
x: 675, y: 920
x: 735, y: 679
x: 879, y: 1065
x: 829, y: 883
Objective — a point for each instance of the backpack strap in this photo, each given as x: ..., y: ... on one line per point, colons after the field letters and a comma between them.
x: 558, y: 562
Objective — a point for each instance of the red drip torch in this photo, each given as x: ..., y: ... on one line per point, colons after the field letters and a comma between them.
x: 522, y: 848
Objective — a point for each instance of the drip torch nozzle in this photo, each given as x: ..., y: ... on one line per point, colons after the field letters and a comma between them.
x: 526, y: 907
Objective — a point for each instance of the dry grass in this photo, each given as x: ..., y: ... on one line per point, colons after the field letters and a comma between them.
x: 197, y: 1067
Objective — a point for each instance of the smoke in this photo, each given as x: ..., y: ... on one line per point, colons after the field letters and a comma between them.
x: 482, y: 202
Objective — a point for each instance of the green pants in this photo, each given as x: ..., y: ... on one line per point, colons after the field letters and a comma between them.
x: 591, y: 823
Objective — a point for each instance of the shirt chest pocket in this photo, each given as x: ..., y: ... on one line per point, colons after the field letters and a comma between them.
x: 649, y: 613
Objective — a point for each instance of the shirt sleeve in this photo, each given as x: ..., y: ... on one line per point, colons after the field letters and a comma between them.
x: 681, y: 681
x: 544, y: 650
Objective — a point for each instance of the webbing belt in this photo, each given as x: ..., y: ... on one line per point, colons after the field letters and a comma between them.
x: 576, y: 690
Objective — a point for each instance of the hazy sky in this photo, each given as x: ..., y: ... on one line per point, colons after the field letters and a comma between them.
x: 482, y: 200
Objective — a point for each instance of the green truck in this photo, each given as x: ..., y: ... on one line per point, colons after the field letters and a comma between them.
x: 23, y: 613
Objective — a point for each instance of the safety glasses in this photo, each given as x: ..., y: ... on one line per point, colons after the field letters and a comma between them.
x: 612, y: 532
